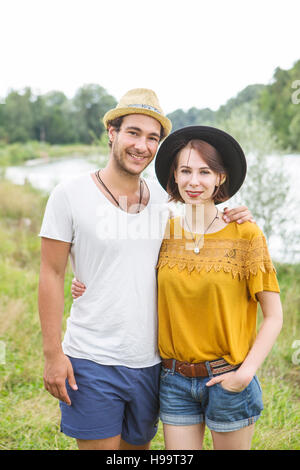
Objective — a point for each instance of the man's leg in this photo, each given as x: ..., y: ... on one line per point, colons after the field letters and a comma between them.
x: 141, y: 411
x: 97, y: 411
x: 112, y: 401
x: 111, y: 443
x: 125, y: 446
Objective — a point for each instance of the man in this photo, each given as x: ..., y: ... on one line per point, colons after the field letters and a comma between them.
x: 111, y: 223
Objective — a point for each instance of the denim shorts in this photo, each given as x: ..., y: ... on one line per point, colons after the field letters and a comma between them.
x: 186, y: 401
x: 112, y: 400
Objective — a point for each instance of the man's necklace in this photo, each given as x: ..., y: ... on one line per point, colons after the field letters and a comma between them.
x: 97, y: 174
x: 196, y: 244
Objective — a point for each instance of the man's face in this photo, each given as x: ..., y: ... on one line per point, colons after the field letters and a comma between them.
x: 136, y: 143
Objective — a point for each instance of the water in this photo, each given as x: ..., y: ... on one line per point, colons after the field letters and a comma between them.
x: 45, y: 175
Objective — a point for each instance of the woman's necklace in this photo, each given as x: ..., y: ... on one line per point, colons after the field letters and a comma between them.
x: 196, y: 244
x: 97, y: 174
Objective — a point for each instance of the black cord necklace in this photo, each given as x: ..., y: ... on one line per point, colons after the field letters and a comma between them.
x: 196, y: 245
x: 97, y: 174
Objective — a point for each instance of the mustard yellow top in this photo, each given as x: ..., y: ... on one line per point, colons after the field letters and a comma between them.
x: 207, y: 306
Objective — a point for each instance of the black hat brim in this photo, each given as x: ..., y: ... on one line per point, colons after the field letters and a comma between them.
x: 230, y: 150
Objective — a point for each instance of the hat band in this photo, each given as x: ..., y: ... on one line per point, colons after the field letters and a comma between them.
x: 144, y: 106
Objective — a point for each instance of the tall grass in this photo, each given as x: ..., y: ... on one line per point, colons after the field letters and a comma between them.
x: 30, y: 416
x: 18, y: 153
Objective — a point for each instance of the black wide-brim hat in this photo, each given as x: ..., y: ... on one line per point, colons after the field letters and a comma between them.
x: 230, y: 150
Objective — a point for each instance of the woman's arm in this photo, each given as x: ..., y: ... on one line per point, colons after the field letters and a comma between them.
x: 272, y: 323
x: 272, y: 311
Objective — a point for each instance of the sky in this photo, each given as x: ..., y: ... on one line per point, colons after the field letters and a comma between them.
x: 192, y: 53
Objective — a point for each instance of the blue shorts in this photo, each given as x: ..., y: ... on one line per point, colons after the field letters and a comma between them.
x: 112, y: 400
x: 186, y: 401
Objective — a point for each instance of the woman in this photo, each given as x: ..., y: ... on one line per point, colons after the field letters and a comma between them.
x: 210, y: 278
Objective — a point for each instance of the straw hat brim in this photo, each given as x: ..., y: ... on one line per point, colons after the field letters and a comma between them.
x: 231, y: 152
x: 118, y: 112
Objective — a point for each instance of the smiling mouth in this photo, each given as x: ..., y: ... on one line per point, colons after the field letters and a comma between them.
x: 194, y: 193
x: 137, y: 158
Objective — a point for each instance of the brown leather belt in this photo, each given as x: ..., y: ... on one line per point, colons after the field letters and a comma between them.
x: 199, y: 369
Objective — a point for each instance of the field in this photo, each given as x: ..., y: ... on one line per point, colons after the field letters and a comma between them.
x: 30, y: 416
x: 19, y: 153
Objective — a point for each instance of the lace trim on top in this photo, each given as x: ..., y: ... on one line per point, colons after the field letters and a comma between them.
x: 238, y: 256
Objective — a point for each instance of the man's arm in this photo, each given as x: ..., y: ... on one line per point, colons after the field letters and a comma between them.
x: 58, y: 368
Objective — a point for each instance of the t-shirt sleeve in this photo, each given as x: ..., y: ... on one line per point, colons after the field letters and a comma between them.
x: 262, y: 273
x: 58, y: 221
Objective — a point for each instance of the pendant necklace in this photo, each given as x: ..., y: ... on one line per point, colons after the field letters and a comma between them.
x: 97, y: 174
x: 197, y: 249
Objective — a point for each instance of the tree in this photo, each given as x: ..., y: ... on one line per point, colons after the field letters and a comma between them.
x: 178, y: 119
x: 192, y: 117
x: 90, y: 103
x: 18, y: 117
x: 294, y: 131
x: 277, y: 106
x: 56, y: 123
x: 3, y: 134
x: 250, y: 94
x: 39, y: 112
x: 54, y: 118
x: 266, y: 187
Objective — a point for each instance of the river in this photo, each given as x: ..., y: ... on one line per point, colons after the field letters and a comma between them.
x: 45, y: 175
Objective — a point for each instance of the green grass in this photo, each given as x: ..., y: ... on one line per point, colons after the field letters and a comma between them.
x: 18, y: 153
x: 30, y: 417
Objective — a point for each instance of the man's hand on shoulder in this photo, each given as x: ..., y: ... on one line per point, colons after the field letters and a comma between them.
x: 239, y: 214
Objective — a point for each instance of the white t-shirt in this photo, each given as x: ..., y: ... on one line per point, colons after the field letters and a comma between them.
x: 114, y: 254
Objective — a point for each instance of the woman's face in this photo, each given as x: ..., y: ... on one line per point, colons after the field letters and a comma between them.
x: 196, y: 181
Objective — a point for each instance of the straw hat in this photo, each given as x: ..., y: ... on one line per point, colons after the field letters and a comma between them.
x: 139, y: 101
x: 230, y: 150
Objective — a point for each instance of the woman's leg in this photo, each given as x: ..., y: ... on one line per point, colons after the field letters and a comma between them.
x: 184, y: 437
x: 233, y: 440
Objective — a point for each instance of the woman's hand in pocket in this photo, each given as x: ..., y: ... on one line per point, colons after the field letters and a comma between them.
x: 234, y: 381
